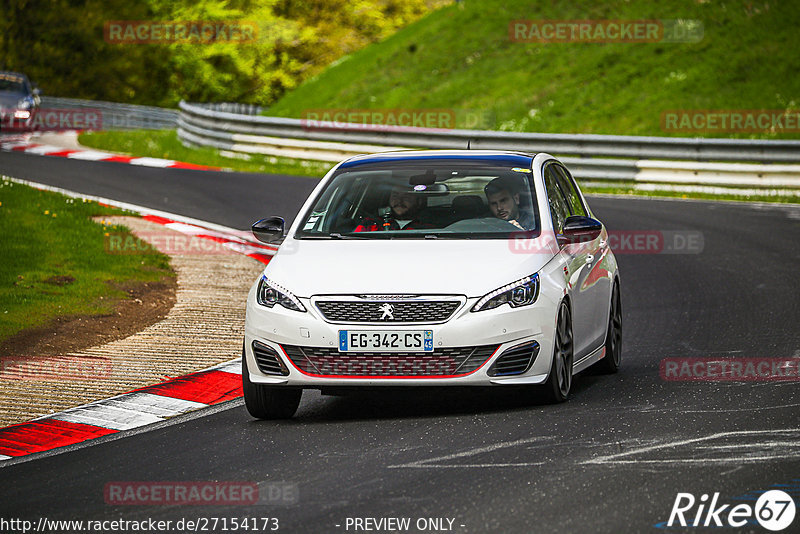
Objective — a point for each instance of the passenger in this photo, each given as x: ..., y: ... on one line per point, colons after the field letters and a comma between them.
x: 503, y: 198
x: 404, y: 208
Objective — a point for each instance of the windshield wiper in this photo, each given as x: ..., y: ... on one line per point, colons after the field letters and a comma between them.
x: 332, y: 235
x: 337, y: 235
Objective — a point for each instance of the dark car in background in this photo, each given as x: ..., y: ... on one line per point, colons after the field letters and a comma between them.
x: 19, y: 102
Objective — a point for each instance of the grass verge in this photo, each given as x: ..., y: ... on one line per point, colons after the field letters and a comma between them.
x: 165, y: 144
x: 55, y: 263
x: 463, y: 58
x: 630, y: 189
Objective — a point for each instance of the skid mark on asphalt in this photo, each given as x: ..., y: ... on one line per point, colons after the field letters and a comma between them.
x: 440, y: 462
x: 721, y: 410
x: 746, y: 446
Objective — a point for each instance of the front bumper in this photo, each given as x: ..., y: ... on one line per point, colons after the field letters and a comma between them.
x: 501, y: 329
x: 10, y: 122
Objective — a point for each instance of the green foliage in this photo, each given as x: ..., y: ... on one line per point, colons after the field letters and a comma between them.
x: 63, y: 48
x: 461, y: 58
x: 48, y: 239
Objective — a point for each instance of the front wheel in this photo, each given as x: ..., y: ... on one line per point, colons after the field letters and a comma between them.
x: 559, y: 382
x: 269, y: 402
x: 611, y: 361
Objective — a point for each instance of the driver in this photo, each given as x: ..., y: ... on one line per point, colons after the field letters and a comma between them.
x: 503, y: 198
x: 404, y: 208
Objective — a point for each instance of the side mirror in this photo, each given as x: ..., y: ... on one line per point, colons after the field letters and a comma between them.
x: 579, y: 229
x: 269, y: 230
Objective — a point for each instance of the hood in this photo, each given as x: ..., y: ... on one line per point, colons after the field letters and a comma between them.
x: 9, y: 99
x: 440, y: 266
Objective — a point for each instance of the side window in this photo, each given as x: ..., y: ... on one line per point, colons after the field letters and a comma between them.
x: 558, y: 206
x: 570, y: 191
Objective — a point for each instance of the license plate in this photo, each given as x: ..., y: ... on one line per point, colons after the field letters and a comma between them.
x: 385, y: 341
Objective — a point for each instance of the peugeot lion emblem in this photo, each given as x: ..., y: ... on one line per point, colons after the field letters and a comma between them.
x: 388, y: 311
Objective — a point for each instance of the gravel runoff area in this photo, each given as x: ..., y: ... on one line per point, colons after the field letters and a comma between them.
x: 205, y: 327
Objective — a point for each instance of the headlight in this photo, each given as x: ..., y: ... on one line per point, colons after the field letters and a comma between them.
x: 24, y: 104
x: 269, y: 293
x: 520, y: 293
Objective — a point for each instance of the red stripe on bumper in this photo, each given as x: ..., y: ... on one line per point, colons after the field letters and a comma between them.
x: 46, y: 434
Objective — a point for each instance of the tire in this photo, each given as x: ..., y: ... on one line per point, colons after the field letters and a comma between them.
x: 613, y: 358
x: 559, y: 381
x: 269, y: 402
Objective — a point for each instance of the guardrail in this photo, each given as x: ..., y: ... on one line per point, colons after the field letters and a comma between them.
x: 233, y: 107
x: 326, y: 141
x: 116, y: 116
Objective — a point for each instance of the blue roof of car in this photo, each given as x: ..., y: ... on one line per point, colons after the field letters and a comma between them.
x: 10, y: 74
x: 480, y: 157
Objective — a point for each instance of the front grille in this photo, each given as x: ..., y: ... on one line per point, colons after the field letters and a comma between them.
x: 418, y: 311
x: 441, y: 362
x: 515, y: 361
x: 268, y: 360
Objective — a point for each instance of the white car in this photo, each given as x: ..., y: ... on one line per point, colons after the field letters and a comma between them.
x: 432, y: 268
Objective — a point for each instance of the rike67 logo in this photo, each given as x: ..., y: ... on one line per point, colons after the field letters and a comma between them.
x: 774, y: 510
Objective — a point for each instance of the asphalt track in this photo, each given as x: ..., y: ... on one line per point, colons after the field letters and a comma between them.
x: 612, y: 459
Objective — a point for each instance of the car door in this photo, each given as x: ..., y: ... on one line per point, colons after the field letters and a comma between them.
x: 576, y: 258
x: 595, y: 286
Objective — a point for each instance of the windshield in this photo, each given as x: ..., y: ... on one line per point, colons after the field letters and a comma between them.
x: 423, y: 200
x: 12, y: 83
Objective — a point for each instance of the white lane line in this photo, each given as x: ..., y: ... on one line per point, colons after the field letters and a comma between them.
x: 152, y: 162
x: 90, y: 155
x: 434, y: 462
x: 4, y: 457
x: 618, y: 458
